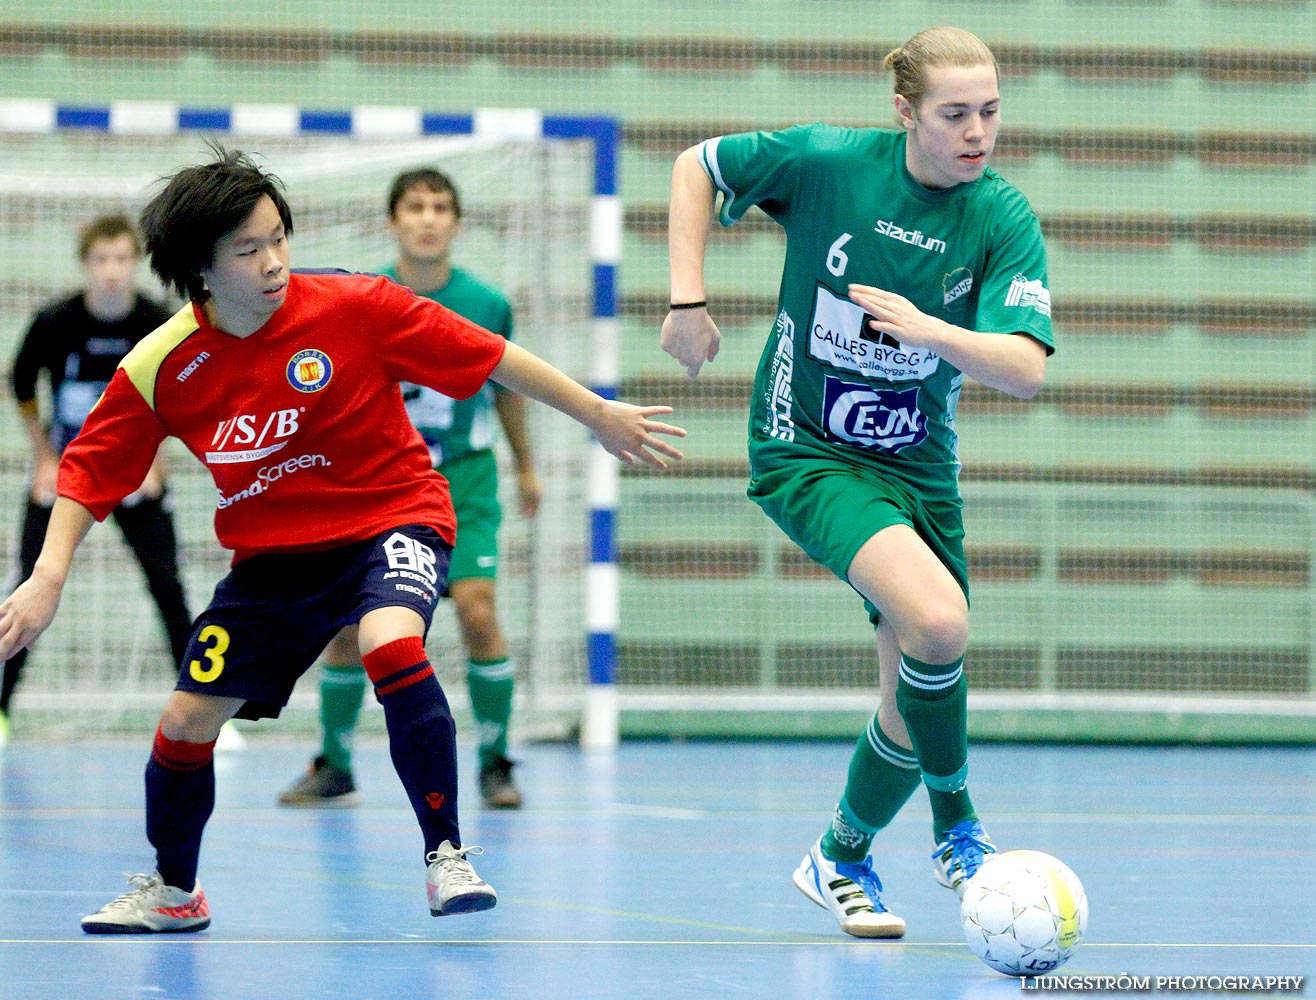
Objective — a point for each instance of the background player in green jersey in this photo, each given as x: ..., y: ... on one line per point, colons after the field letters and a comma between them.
x: 909, y: 265
x: 424, y: 214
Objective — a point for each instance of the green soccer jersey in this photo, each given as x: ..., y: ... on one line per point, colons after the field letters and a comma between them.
x: 971, y: 255
x: 456, y: 427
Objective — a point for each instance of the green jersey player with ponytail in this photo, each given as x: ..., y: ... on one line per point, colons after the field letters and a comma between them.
x: 909, y: 265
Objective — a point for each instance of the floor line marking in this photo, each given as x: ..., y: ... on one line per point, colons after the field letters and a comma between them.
x: 174, y: 940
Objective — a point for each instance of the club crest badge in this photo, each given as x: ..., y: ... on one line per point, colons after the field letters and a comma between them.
x: 310, y: 371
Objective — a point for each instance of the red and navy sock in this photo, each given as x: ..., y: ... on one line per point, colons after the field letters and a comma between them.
x: 422, y: 736
x: 180, y: 796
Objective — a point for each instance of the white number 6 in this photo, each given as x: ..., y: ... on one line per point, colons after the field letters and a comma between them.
x: 836, y: 257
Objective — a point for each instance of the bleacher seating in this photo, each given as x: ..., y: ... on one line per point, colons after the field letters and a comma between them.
x: 1147, y: 508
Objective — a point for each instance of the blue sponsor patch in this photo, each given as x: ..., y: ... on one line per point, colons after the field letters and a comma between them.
x: 888, y: 419
x: 310, y: 371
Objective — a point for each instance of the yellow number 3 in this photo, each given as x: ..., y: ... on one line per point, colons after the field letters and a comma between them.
x: 215, y: 654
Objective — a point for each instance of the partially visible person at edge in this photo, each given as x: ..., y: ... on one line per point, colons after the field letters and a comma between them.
x: 75, y: 344
x: 327, y: 498
x: 424, y: 216
x: 909, y: 265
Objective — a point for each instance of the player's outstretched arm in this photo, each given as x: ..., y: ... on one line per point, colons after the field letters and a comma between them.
x: 689, y: 335
x: 31, y: 608
x: 625, y: 431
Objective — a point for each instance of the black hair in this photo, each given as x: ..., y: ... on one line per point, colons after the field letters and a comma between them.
x: 198, y: 207
x: 428, y: 178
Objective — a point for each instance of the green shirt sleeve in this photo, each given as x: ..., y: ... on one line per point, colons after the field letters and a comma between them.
x: 1014, y: 296
x: 756, y: 168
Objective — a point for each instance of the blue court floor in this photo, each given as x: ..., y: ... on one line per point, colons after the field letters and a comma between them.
x: 661, y: 872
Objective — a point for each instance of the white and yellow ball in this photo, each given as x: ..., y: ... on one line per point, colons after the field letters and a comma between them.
x: 1024, y: 913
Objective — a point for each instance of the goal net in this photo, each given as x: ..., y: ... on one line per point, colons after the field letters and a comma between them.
x: 104, y: 665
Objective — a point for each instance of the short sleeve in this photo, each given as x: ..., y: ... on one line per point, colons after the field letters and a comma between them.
x: 756, y: 168
x: 423, y: 342
x: 111, y: 455
x: 1015, y: 297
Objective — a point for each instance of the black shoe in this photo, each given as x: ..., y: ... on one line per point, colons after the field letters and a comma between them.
x: 323, y: 786
x: 497, y: 788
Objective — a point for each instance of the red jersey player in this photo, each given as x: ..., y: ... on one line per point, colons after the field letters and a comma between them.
x: 286, y: 385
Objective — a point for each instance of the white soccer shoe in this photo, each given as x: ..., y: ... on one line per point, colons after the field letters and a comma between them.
x: 452, y: 883
x: 151, y: 907
x: 959, y: 856
x: 852, y: 892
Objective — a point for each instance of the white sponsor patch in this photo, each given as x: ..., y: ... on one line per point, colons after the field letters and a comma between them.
x: 913, y: 237
x: 410, y: 555
x: 1028, y: 295
x: 885, y: 419
x: 781, y: 424
x: 837, y: 336
x: 232, y: 457
x: 242, y: 430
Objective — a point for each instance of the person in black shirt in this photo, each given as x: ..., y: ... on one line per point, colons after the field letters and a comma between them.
x: 76, y: 343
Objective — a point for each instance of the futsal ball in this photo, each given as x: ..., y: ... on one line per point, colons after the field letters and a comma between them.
x: 1024, y: 913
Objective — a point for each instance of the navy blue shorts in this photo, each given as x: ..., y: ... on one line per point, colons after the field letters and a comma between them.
x: 273, y: 614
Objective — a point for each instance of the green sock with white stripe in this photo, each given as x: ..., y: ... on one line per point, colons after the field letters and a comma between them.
x: 883, y: 775
x: 342, y: 690
x: 490, y: 683
x: 933, y: 699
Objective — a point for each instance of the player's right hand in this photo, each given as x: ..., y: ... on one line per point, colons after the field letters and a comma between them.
x: 691, y: 336
x: 529, y: 492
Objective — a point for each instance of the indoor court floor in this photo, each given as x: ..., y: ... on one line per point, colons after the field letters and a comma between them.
x: 660, y: 872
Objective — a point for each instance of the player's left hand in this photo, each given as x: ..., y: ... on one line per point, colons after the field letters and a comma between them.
x: 27, y: 613
x: 627, y: 433
x: 893, y: 314
x: 691, y: 336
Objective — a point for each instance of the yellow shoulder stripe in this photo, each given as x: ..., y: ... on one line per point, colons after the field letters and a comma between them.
x: 143, y: 362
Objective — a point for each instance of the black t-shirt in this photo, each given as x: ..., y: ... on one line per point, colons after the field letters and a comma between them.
x: 79, y: 354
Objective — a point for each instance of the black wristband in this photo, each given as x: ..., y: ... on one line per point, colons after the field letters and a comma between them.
x: 687, y: 305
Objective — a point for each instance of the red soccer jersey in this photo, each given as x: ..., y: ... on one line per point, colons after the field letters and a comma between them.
x: 301, y: 424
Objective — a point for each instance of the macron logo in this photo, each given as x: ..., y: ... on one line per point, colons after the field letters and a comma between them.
x: 193, y: 366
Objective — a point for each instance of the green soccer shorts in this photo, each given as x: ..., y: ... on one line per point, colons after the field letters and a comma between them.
x: 830, y: 508
x: 473, y: 480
